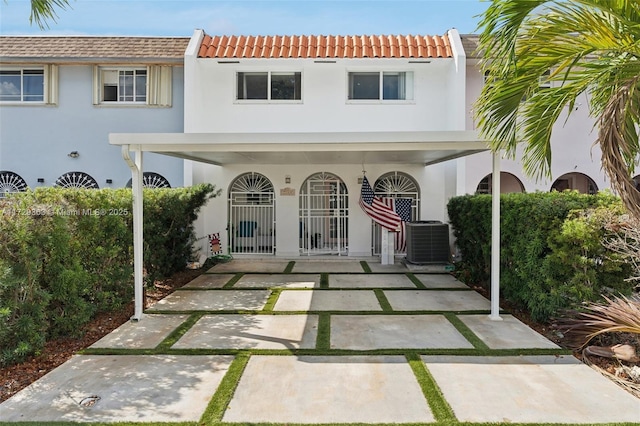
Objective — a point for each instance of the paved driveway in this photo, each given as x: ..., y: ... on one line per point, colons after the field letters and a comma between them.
x: 323, y: 342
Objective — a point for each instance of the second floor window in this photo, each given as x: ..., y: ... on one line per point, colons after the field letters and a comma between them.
x: 124, y: 85
x: 274, y: 86
x: 393, y: 86
x: 22, y: 85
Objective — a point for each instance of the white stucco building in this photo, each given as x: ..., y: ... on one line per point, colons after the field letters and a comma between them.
x: 284, y: 126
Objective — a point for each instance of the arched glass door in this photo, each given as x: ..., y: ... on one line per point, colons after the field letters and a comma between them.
x: 251, y: 215
x: 395, y: 185
x: 324, y: 215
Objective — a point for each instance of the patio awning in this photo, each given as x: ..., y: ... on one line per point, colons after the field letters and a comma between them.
x: 302, y: 148
x: 308, y: 148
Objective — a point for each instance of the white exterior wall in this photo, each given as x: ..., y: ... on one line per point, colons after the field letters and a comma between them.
x: 571, y: 141
x: 35, y: 139
x: 324, y: 106
x: 210, y: 106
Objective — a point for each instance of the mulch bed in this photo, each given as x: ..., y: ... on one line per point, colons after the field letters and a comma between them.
x: 16, y: 377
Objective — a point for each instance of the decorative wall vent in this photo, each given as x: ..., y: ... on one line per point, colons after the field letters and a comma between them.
x: 78, y: 180
x: 152, y: 180
x: 11, y: 182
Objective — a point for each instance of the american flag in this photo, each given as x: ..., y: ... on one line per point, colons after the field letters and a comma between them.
x: 381, y: 212
x: 402, y: 206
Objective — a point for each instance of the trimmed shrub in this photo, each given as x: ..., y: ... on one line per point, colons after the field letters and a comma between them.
x: 536, y: 273
x: 66, y: 255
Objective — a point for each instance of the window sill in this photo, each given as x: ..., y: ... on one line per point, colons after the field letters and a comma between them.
x: 379, y: 102
x: 26, y: 104
x: 267, y: 102
x: 129, y: 105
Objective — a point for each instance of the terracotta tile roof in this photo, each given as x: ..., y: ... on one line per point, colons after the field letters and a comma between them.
x: 92, y: 48
x: 374, y: 46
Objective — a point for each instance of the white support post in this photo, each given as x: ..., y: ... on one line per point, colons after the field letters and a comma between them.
x: 387, y: 255
x: 136, y: 185
x: 495, y: 239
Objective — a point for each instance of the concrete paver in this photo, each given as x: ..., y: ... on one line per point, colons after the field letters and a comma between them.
x: 326, y: 389
x: 509, y: 333
x: 251, y: 265
x: 370, y: 281
x: 147, y: 333
x: 530, y: 389
x: 205, y: 281
x: 325, y: 300
x: 278, y: 281
x: 365, y: 332
x: 397, y: 267
x: 251, y: 332
x: 327, y: 266
x: 212, y: 300
x: 436, y: 300
x: 134, y: 388
x: 318, y: 388
x: 440, y: 281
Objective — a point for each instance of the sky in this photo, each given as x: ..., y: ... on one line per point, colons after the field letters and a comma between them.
x: 244, y: 17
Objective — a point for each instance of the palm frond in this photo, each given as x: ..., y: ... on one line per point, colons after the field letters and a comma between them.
x: 618, y: 140
x: 44, y: 10
x: 590, y: 47
x: 620, y: 314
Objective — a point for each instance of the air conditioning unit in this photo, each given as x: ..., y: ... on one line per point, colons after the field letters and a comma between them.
x: 427, y: 242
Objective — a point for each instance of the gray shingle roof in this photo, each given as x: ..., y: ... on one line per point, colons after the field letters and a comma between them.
x: 52, y: 49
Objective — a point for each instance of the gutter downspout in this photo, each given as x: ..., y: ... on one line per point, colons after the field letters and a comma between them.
x: 495, y: 239
x: 136, y: 185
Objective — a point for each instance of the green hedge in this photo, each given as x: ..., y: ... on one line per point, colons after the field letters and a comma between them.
x: 551, y: 258
x: 66, y: 255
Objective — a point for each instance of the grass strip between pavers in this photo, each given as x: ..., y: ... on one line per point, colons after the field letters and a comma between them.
x: 233, y: 280
x: 323, y: 337
x: 419, y: 284
x: 176, y: 334
x: 327, y: 352
x: 271, y: 301
x: 222, y: 397
x: 324, y: 280
x: 466, y: 331
x: 439, y: 406
x: 382, y: 300
x: 365, y: 266
x: 289, y: 267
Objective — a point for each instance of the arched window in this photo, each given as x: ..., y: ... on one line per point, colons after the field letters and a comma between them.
x: 78, y: 180
x: 395, y: 185
x: 575, y: 181
x: 11, y: 182
x: 152, y: 180
x: 508, y: 183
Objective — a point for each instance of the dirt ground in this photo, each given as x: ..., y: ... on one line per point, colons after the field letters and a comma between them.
x: 56, y: 352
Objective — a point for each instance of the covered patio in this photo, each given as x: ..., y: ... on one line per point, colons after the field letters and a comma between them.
x: 360, y: 148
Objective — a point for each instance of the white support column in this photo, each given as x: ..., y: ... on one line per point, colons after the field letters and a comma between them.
x: 495, y: 239
x: 387, y: 255
x: 136, y: 185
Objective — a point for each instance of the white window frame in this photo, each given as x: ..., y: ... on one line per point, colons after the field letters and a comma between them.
x: 50, y: 83
x: 268, y: 99
x: 544, y: 81
x: 158, y: 86
x: 409, y: 90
